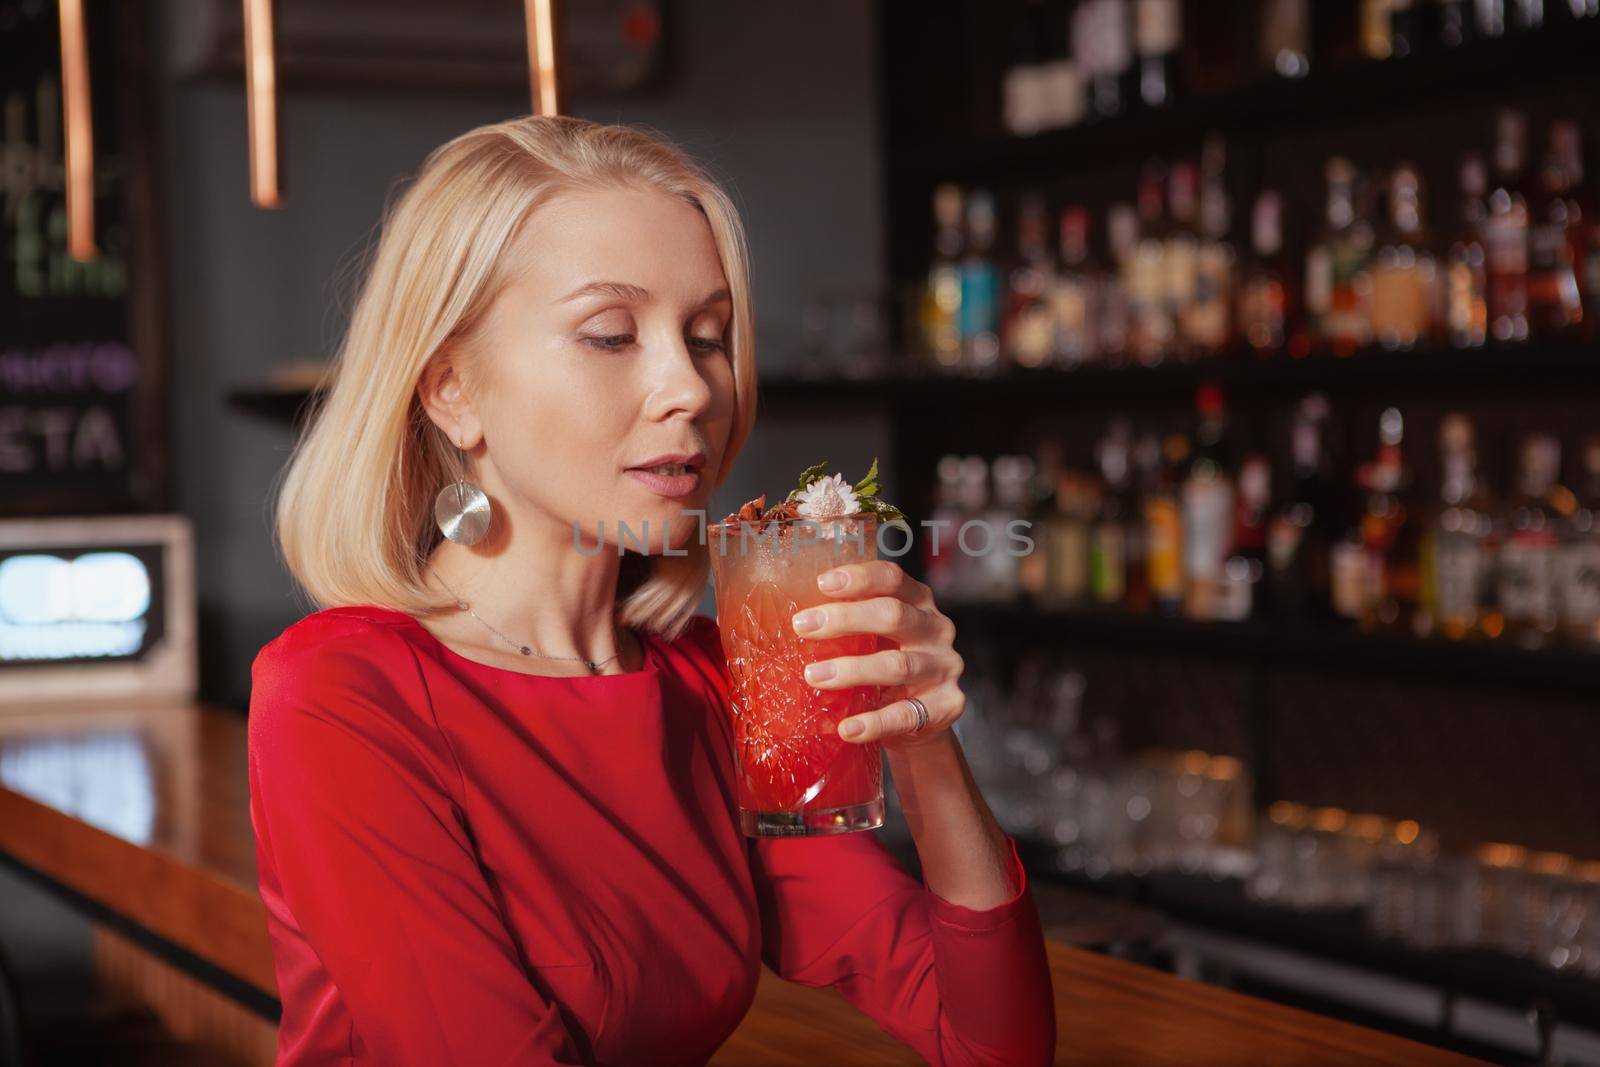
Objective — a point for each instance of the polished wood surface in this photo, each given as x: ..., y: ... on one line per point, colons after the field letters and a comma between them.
x: 144, y: 809
x: 1109, y: 1013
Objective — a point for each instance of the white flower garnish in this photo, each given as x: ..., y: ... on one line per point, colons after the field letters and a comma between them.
x: 827, y: 498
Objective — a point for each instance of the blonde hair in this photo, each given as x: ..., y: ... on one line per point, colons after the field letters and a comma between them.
x: 354, y: 520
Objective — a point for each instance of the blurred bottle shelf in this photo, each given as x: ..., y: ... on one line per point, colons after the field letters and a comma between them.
x: 1336, y: 934
x: 1286, y: 644
x: 1547, y: 364
x: 1339, y: 93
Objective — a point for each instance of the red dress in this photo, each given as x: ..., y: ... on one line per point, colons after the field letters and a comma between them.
x: 466, y: 866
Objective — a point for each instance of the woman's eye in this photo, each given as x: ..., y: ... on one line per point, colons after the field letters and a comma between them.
x: 618, y: 341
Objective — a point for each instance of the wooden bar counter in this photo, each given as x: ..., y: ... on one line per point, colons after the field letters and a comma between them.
x: 139, y: 816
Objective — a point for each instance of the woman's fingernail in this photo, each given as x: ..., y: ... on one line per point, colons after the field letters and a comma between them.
x: 807, y: 620
x: 832, y: 581
x: 819, y: 672
x: 851, y: 728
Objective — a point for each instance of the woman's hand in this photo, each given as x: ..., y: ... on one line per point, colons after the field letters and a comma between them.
x: 878, y: 597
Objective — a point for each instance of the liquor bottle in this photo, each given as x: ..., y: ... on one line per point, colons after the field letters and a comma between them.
x: 1027, y: 325
x: 941, y: 557
x: 1578, y: 567
x: 1150, y: 327
x: 1455, y: 548
x: 971, y: 500
x: 1490, y: 18
x: 1108, y: 557
x: 1075, y: 295
x: 1208, y: 507
x: 1505, y: 235
x: 1069, y: 541
x: 1263, y: 296
x: 1404, y: 275
x: 1525, y: 15
x: 1114, y: 316
x: 1245, y: 568
x: 1389, y: 532
x: 1180, y: 257
x: 1354, y: 578
x: 1377, y: 29
x: 1163, y: 528
x: 1285, y: 45
x: 1033, y: 569
x: 1208, y: 323
x: 1445, y: 24
x: 1136, y: 571
x: 995, y: 553
x: 1100, y: 38
x: 1157, y: 39
x: 1466, y: 312
x: 1405, y: 27
x: 941, y: 298
x: 1061, y: 90
x: 1302, y: 534
x: 1023, y: 85
x: 1338, y: 287
x: 1531, y: 531
x: 1555, y: 238
x: 980, y: 289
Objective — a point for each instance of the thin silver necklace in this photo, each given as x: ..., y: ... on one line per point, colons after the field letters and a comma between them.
x: 593, y: 665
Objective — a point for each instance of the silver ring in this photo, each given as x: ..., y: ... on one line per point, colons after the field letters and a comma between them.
x: 922, y: 714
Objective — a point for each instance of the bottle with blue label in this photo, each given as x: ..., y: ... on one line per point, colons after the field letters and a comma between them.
x: 979, y: 313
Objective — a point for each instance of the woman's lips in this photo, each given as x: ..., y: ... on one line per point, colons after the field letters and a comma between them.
x: 677, y: 485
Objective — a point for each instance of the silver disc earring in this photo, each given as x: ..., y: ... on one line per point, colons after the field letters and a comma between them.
x: 462, y: 510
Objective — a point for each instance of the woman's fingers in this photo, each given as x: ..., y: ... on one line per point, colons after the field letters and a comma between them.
x: 886, y: 615
x: 945, y: 704
x: 891, y: 666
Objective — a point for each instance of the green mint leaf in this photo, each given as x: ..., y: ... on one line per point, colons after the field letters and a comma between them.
x: 811, y: 474
x: 870, y: 479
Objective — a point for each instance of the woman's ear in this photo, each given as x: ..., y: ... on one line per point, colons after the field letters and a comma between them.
x: 445, y: 401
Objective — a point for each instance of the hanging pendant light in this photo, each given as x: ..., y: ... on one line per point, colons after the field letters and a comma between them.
x: 77, y: 120
x: 261, y: 102
x: 543, y: 52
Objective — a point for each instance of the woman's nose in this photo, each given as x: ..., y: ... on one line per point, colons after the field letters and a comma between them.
x: 680, y: 381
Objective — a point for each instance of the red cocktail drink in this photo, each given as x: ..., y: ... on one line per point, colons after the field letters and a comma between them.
x: 797, y: 776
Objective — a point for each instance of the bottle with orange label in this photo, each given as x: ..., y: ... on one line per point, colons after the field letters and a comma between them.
x: 1163, y: 529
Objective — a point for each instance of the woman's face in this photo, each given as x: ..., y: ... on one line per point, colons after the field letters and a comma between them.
x: 607, y: 352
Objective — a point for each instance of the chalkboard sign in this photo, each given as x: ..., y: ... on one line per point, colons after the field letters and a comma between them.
x: 83, y: 426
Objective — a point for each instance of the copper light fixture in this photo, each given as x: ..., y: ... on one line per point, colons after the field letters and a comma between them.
x: 543, y: 48
x: 261, y: 97
x: 79, y: 125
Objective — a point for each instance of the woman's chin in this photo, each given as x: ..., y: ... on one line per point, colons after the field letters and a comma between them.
x: 677, y: 525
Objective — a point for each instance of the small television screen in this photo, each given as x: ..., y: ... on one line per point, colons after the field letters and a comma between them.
x: 97, y: 607
x: 66, y: 604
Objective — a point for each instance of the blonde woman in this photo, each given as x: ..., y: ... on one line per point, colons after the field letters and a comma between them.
x: 492, y: 777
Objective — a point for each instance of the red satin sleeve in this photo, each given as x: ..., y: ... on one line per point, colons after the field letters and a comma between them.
x: 363, y: 853
x: 959, y: 986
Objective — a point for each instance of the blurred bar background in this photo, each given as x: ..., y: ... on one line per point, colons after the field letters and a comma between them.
x: 1277, y: 321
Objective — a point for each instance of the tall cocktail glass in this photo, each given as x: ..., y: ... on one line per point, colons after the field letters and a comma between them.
x: 797, y: 776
